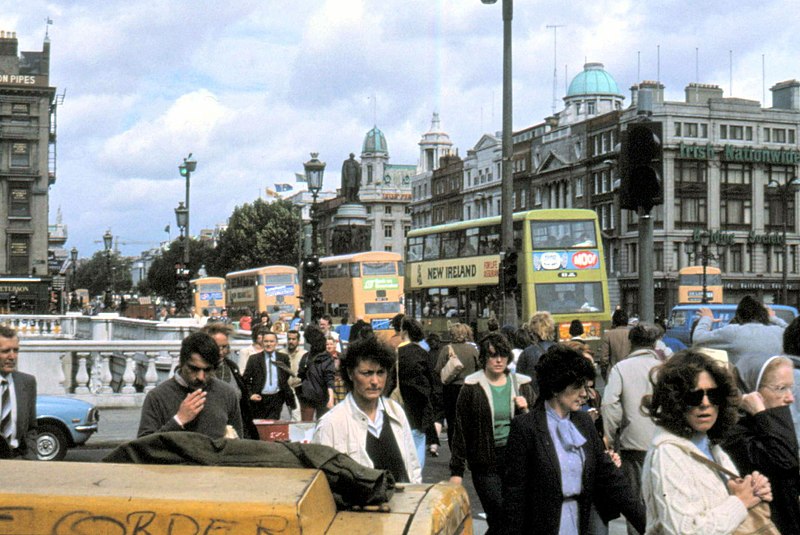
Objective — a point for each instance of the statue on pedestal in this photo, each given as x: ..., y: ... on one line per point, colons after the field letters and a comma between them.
x: 351, y: 179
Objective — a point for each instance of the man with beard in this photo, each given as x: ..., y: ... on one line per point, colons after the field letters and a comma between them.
x: 295, y: 352
x: 193, y: 399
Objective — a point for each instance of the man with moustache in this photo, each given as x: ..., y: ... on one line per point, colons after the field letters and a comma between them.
x: 295, y: 352
x: 193, y: 399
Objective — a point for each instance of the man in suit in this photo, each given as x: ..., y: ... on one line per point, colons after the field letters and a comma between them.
x: 267, y: 380
x: 615, y: 345
x: 17, y: 400
x: 228, y: 372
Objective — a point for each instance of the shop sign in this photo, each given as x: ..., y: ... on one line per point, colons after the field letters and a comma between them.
x: 458, y: 272
x: 735, y: 153
x: 719, y: 237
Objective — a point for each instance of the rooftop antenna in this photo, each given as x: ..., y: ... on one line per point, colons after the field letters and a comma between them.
x: 730, y: 71
x: 47, y: 23
x: 763, y: 81
x: 555, y: 28
x: 658, y: 64
x: 638, y: 67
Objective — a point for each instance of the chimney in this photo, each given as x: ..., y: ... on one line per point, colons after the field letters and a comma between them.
x: 701, y: 93
x: 786, y: 95
x: 8, y: 44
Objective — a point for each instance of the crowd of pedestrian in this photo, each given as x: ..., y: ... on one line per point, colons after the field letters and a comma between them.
x: 557, y: 439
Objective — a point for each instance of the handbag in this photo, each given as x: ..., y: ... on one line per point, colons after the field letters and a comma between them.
x: 758, y: 521
x: 452, y: 368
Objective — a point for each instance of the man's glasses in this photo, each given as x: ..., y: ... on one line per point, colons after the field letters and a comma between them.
x: 716, y: 396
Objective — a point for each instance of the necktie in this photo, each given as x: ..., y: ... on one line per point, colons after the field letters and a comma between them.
x: 5, y: 410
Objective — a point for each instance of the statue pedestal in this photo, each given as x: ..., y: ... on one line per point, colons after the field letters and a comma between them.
x: 351, y: 232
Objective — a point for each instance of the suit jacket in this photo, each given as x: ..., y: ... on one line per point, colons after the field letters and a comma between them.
x: 25, y: 389
x: 248, y: 426
x: 532, y: 482
x: 614, y: 347
x: 255, y: 376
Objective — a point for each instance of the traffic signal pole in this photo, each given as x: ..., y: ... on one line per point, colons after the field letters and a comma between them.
x: 647, y: 303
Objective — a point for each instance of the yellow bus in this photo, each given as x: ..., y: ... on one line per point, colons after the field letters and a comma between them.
x: 208, y: 293
x: 690, y: 285
x: 452, y: 271
x: 363, y: 285
x: 271, y: 289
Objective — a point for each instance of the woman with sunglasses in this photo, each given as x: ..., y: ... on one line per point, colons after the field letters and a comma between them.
x: 694, y: 404
x: 556, y: 464
x: 764, y: 438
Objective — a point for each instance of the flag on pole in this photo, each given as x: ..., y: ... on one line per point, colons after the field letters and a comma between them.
x: 299, y: 177
x: 167, y: 229
x: 283, y: 187
x: 272, y: 193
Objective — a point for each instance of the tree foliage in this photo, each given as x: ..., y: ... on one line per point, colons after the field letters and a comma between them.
x: 259, y: 234
x: 93, y: 274
x: 161, y: 279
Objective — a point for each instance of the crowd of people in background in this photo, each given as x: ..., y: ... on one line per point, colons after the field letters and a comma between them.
x: 558, y: 436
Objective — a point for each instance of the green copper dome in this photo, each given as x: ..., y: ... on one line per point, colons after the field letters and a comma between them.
x: 375, y: 141
x: 594, y: 80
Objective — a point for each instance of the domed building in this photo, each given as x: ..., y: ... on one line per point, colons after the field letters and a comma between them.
x: 592, y: 92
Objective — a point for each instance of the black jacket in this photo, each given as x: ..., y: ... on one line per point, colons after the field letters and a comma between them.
x: 766, y: 442
x: 529, y: 357
x: 318, y: 374
x: 473, y: 439
x: 248, y: 426
x: 255, y: 375
x: 416, y: 385
x: 532, y: 480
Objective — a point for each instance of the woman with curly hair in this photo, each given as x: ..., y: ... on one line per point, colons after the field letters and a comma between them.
x: 694, y: 404
x: 462, y: 348
x: 556, y: 463
x: 489, y: 400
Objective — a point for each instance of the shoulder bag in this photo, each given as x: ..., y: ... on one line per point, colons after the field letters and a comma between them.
x: 397, y: 395
x: 452, y: 368
x: 758, y: 521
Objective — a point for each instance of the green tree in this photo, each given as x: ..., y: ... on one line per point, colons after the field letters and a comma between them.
x: 161, y: 279
x: 259, y: 234
x: 93, y: 274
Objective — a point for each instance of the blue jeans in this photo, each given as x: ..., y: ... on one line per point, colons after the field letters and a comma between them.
x: 419, y: 443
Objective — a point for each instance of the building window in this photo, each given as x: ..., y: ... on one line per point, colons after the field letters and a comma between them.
x: 387, y: 231
x: 590, y: 107
x: 690, y: 212
x: 690, y: 172
x: 369, y: 210
x: 736, y: 132
x: 751, y: 258
x: 408, y: 210
x: 658, y: 256
x: 793, y: 258
x: 20, y: 155
x: 578, y: 187
x: 387, y: 248
x: 406, y: 229
x: 19, y: 200
x: 677, y: 257
x: 19, y: 108
x: 387, y: 210
x: 736, y: 213
x: 737, y: 173
x: 737, y: 258
x: 632, y: 258
x: 18, y: 254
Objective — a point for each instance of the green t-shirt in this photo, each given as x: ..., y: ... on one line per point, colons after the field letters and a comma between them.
x: 501, y: 401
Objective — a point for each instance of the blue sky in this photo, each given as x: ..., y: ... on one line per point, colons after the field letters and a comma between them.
x: 252, y: 87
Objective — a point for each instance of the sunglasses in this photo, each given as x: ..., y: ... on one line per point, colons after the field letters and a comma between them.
x: 695, y: 398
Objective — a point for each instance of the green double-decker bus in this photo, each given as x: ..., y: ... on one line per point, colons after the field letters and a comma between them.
x: 453, y: 271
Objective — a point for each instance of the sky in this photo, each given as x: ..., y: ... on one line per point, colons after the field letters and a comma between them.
x: 252, y: 87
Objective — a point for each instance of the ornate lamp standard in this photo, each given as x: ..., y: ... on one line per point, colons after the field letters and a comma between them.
x: 786, y: 192
x: 182, y: 268
x: 315, y: 171
x: 704, y: 255
x: 108, y: 241
x: 73, y: 301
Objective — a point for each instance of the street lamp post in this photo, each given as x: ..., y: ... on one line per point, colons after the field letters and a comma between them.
x: 187, y: 168
x: 507, y: 185
x: 785, y: 191
x: 705, y: 256
x: 315, y: 170
x: 108, y: 241
x: 182, y: 268
x: 73, y: 301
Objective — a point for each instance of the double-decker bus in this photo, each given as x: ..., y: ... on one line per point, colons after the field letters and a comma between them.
x: 271, y: 289
x: 363, y: 285
x: 452, y: 271
x: 208, y: 293
x: 690, y: 285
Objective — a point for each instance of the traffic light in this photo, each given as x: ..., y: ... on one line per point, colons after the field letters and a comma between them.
x: 311, y: 277
x: 641, y: 166
x: 13, y: 301
x: 509, y: 271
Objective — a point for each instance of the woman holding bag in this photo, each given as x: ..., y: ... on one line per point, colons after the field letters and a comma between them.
x: 489, y: 400
x: 687, y: 484
x: 466, y: 355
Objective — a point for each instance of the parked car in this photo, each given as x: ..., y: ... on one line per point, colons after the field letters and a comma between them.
x: 62, y: 423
